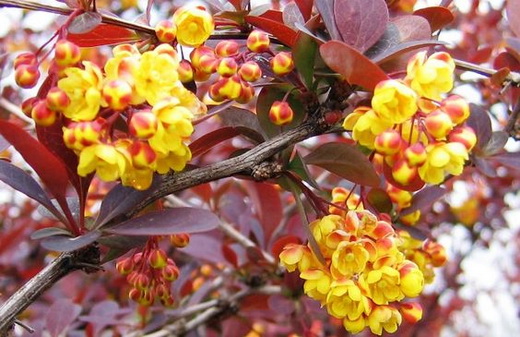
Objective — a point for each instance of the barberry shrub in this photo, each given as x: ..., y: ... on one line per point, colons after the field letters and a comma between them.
x: 243, y: 170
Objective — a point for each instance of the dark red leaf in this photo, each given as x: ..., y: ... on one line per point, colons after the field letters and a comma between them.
x: 326, y: 10
x: 481, y: 123
x: 234, y: 116
x: 361, y: 23
x: 60, y: 316
x: 49, y: 231
x: 206, y: 247
x: 438, y: 17
x: 354, y: 66
x: 509, y: 159
x: 496, y: 143
x: 345, y: 160
x: 209, y: 140
x: 64, y: 243
x: 283, y: 33
x: 49, y: 168
x: 230, y: 255
x: 85, y: 23
x: 423, y: 199
x: 102, y: 35
x: 281, y: 304
x: 103, y: 314
x: 272, y: 14
x: 513, y: 15
x: 280, y: 243
x: 292, y: 15
x: 379, y: 200
x: 305, y: 7
x: 167, y: 222
x: 268, y: 205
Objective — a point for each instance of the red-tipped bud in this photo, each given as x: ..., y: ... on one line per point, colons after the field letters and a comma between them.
x: 282, y: 63
x: 28, y: 105
x: 415, y: 154
x: 157, y: 259
x: 203, y: 59
x: 438, y: 124
x: 146, y: 298
x: 388, y: 142
x: 168, y: 301
x: 227, y: 67
x: 180, y: 240
x: 250, y: 71
x: 464, y: 135
x: 403, y: 173
x: 457, y: 108
x: 25, y: 58
x: 82, y: 134
x: 185, y: 71
x: 281, y: 113
x: 132, y: 277
x: 258, y: 41
x: 226, y: 48
x: 42, y: 115
x: 26, y: 76
x: 436, y: 252
x: 170, y: 272
x: 134, y: 294
x: 162, y: 291
x: 143, y: 156
x: 246, y: 94
x: 117, y: 94
x: 143, y: 124
x: 166, y: 31
x: 200, y: 76
x: 226, y: 88
x: 411, y: 218
x: 411, y: 312
x: 57, y: 99
x: 125, y: 266
x: 66, y: 53
x: 142, y: 281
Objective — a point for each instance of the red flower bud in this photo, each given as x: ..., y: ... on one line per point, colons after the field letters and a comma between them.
x: 166, y: 31
x: 282, y: 63
x: 226, y: 48
x: 42, y: 115
x: 157, y: 259
x: 57, y: 99
x: 25, y: 58
x: 143, y: 124
x: 250, y: 71
x: 66, y: 53
x: 26, y: 76
x: 258, y: 41
x: 281, y: 113
x: 180, y: 240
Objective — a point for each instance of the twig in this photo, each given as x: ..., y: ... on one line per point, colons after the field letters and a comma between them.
x: 510, y: 127
x: 512, y: 77
x: 15, y: 110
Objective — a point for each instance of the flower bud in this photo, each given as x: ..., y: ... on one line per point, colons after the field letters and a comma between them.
x: 66, y: 53
x: 403, y: 173
x: 412, y: 279
x: 388, y: 142
x: 142, y: 154
x: 26, y: 76
x: 282, y: 63
x: 457, y: 108
x: 157, y: 259
x: 146, y: 298
x: 412, y: 312
x: 142, y: 281
x: 415, y: 154
x: 204, y: 59
x: 117, y: 94
x: 25, y: 58
x: 436, y: 252
x: 168, y: 301
x: 185, y: 71
x: 247, y: 93
x: 464, y: 135
x: 79, y: 135
x: 28, y: 105
x: 42, y: 115
x: 250, y: 71
x: 226, y: 48
x: 227, y: 67
x: 438, y: 124
x: 166, y: 31
x: 134, y: 294
x: 411, y: 219
x: 180, y: 240
x: 225, y: 88
x: 162, y: 291
x: 57, y: 99
x: 143, y: 124
x: 170, y: 272
x: 258, y: 41
x: 281, y: 113
x: 125, y: 266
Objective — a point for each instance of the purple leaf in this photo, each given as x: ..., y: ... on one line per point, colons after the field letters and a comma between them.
x: 361, y: 23
x: 513, y: 15
x: 104, y: 314
x: 380, y: 200
x: 63, y: 243
x: 49, y: 231
x: 85, y: 23
x: 60, y: 316
x: 496, y: 143
x: 345, y: 160
x: 167, y: 222
x: 207, y: 247
x: 481, y: 123
x: 4, y: 144
x: 326, y: 10
x: 484, y: 165
x: 234, y: 116
x: 120, y: 200
x: 292, y: 15
x: 23, y: 182
x: 509, y: 159
x: 424, y: 199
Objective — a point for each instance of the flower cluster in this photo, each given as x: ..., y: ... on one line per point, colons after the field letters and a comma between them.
x: 419, y: 135
x: 360, y: 273
x: 151, y: 272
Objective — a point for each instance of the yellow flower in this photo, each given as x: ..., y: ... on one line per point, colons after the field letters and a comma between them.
x: 355, y: 326
x: 366, y: 125
x: 322, y: 229
x: 122, y: 66
x: 104, y: 159
x: 296, y: 256
x: 430, y: 77
x: 83, y: 87
x: 156, y: 74
x: 384, y: 317
x: 345, y: 299
x: 175, y: 160
x: 194, y: 25
x: 349, y: 258
x: 412, y: 279
x: 443, y: 158
x: 382, y: 285
x: 394, y: 102
x: 317, y: 283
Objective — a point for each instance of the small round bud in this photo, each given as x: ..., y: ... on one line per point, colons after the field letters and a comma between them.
x: 282, y: 63
x: 143, y: 124
x: 117, y: 94
x: 142, y: 154
x: 388, y: 142
x: 226, y: 88
x: 28, y: 105
x: 26, y: 76
x: 42, y: 115
x: 403, y: 173
x: 57, y: 99
x: 66, y: 53
x: 170, y: 272
x: 134, y: 294
x: 281, y: 113
x: 250, y: 71
x: 25, y: 58
x: 166, y: 31
x: 185, y: 71
x: 226, y: 48
x: 436, y: 252
x: 258, y: 41
x: 125, y: 266
x: 157, y: 259
x: 411, y: 312
x: 438, y: 124
x: 142, y: 281
x: 227, y: 67
x: 457, y: 108
x: 415, y: 154
x: 464, y: 135
x: 246, y: 94
x: 180, y: 240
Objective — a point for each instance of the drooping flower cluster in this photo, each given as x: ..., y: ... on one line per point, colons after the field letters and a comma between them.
x: 363, y: 273
x: 151, y: 273
x: 419, y: 135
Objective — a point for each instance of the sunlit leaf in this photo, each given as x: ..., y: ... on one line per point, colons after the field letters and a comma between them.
x: 437, y: 16
x: 513, y: 15
x: 304, y: 54
x: 49, y: 231
x: 102, y: 35
x: 345, y: 160
x: 282, y: 32
x: 85, y: 23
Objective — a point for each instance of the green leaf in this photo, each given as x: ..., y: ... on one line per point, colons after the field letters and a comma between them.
x: 304, y: 54
x: 380, y: 200
x: 298, y: 166
x: 345, y: 160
